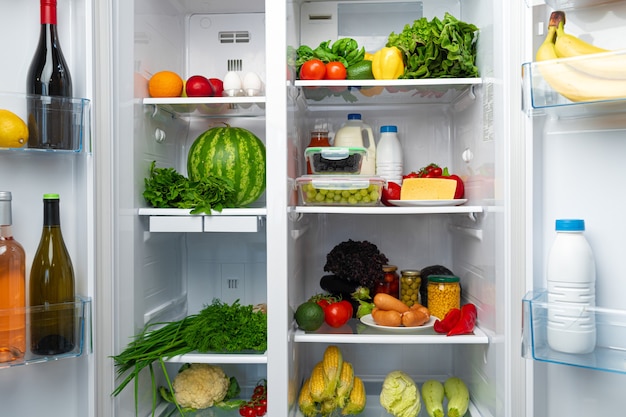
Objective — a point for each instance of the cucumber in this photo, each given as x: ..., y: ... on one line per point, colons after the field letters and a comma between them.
x: 360, y: 71
x: 458, y: 396
x: 432, y: 394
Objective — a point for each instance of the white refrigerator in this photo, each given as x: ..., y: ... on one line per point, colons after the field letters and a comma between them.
x: 527, y: 156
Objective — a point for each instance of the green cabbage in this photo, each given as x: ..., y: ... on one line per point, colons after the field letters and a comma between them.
x: 400, y: 396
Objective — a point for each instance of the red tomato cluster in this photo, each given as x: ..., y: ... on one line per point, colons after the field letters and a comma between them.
x: 315, y: 69
x: 336, y: 312
x: 257, y: 406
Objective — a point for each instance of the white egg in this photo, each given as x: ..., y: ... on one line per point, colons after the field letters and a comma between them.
x: 252, y: 84
x: 232, y: 83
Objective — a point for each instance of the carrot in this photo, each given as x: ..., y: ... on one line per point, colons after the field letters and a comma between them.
x: 414, y: 318
x: 389, y: 318
x: 389, y: 302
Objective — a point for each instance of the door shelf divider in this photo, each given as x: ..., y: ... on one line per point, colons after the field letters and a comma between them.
x: 82, y: 330
x: 610, y: 351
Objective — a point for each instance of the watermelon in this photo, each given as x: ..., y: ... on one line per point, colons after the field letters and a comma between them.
x: 233, y: 153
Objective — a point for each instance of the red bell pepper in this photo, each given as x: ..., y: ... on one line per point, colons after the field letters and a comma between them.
x: 460, y: 187
x: 467, y: 321
x: 448, y: 322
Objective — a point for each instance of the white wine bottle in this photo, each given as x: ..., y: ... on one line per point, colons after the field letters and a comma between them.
x: 50, y: 121
x: 51, y: 288
x: 12, y: 287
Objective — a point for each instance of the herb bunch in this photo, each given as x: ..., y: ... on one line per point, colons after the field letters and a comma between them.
x: 357, y: 261
x: 166, y: 188
x: 437, y: 48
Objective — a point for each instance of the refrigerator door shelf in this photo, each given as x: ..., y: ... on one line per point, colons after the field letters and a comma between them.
x: 575, y: 4
x: 82, y: 331
x: 380, y: 92
x: 78, y: 110
x: 207, y: 107
x: 610, y: 351
x: 543, y: 97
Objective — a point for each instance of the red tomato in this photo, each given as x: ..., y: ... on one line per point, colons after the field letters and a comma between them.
x: 323, y: 303
x: 260, y: 410
x: 247, y: 411
x: 337, y: 314
x: 412, y: 174
x: 335, y: 71
x: 391, y: 192
x: 313, y: 69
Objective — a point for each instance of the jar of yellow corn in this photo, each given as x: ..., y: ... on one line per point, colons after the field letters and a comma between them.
x: 444, y: 294
x: 410, y: 282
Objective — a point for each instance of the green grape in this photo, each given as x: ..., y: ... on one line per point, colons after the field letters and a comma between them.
x: 374, y: 195
x: 323, y: 191
x: 337, y: 197
x: 310, y: 195
x: 345, y: 193
x: 358, y: 197
x: 364, y: 191
x: 319, y: 197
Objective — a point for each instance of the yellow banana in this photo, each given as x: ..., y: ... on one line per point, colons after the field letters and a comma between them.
x: 571, y: 83
x: 594, y: 61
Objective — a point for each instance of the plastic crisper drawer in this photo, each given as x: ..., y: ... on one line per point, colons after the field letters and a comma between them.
x: 609, y: 353
x: 578, y: 86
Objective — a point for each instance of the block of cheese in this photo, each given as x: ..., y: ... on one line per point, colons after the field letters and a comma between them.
x: 427, y: 189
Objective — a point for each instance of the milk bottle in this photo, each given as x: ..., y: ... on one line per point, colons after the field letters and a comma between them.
x: 352, y: 134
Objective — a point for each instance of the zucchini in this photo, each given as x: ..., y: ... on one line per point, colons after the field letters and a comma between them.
x: 432, y: 394
x: 458, y: 396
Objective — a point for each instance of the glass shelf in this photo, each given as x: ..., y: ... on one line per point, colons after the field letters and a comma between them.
x: 356, y: 332
x: 327, y: 93
x: 207, y: 107
x: 221, y: 358
x: 576, y: 4
x: 75, y: 110
x: 609, y: 354
x: 82, y: 331
x: 548, y: 84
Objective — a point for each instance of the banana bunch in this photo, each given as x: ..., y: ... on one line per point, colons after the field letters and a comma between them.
x: 578, y: 70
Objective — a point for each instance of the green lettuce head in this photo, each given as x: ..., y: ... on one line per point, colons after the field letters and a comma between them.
x: 400, y: 396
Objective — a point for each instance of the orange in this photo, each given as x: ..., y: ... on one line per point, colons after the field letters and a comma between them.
x: 165, y: 84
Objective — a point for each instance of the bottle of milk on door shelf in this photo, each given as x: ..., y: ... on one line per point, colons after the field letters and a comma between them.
x: 389, y: 158
x: 352, y: 134
x: 571, y: 277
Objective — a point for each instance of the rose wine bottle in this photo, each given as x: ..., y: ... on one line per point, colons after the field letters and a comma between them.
x: 51, y: 288
x: 12, y: 288
x: 49, y: 115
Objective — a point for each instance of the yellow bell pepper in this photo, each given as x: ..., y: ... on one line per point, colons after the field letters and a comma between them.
x: 368, y: 56
x: 388, y: 64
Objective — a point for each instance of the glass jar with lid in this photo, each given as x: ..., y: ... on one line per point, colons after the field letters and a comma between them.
x: 444, y: 294
x: 410, y: 282
x: 390, y: 283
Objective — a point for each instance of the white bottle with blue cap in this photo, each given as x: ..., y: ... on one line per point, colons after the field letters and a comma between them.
x: 389, y: 157
x: 571, y: 275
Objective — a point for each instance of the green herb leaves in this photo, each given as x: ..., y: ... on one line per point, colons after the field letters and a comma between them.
x: 437, y: 48
x: 167, y: 188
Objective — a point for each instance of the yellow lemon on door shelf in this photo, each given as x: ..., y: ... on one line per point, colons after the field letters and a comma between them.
x: 13, y: 130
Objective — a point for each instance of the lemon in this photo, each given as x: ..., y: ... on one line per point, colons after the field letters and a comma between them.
x: 13, y: 130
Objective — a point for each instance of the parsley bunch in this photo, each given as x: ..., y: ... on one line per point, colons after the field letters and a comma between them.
x: 166, y: 188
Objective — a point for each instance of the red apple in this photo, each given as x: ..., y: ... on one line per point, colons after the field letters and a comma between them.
x: 390, y: 192
x: 198, y: 86
x: 217, y: 85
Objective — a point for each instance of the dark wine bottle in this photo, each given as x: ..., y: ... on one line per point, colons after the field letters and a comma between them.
x: 50, y: 120
x: 51, y: 288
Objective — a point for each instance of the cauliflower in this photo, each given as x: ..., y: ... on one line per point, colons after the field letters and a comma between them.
x: 200, y: 385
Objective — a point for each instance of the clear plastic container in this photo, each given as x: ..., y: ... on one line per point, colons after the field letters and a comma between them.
x: 335, y: 160
x: 346, y: 190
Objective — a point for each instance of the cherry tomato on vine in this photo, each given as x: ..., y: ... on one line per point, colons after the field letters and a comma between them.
x: 313, y: 69
x: 247, y: 411
x: 335, y: 71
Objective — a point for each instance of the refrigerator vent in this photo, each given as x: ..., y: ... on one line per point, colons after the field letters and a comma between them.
x: 234, y: 64
x: 234, y: 37
x: 233, y: 283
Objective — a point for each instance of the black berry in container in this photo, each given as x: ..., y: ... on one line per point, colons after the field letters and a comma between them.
x: 410, y: 282
x: 335, y: 160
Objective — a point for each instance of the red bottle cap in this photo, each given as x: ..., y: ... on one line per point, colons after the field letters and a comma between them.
x: 48, y: 12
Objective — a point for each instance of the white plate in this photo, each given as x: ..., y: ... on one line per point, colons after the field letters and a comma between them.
x: 369, y: 321
x: 428, y: 203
